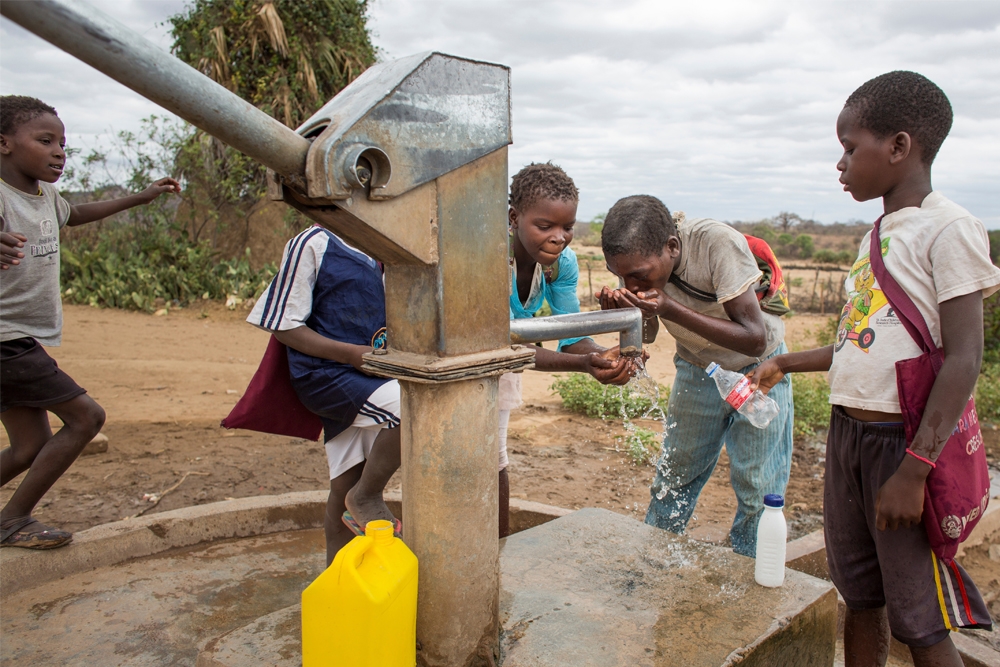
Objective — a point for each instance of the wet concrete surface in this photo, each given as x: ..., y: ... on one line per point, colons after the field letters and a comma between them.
x: 593, y: 588
x: 590, y: 588
x: 164, y: 609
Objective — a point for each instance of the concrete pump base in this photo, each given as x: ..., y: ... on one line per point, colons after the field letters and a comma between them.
x: 591, y: 587
x: 595, y: 588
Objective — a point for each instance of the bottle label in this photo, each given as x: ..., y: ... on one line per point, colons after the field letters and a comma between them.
x: 740, y: 393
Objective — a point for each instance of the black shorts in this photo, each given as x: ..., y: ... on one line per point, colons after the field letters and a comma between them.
x: 30, y: 378
x: 924, y: 597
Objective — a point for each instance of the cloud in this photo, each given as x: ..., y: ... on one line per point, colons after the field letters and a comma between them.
x: 724, y: 109
x: 89, y: 103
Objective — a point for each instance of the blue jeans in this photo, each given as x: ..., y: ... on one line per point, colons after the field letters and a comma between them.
x: 699, y: 422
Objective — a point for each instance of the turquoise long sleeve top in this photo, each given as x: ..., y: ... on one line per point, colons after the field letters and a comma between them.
x: 560, y: 293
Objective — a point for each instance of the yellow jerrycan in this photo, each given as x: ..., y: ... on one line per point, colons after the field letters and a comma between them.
x: 362, y: 611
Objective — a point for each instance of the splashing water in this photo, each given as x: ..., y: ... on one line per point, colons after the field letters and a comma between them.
x: 640, y: 399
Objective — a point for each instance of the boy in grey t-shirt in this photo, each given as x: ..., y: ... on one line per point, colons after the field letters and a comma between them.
x: 32, y: 157
x: 698, y: 279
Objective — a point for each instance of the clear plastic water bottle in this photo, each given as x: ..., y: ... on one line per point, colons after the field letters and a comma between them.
x: 756, y: 406
x: 771, y: 535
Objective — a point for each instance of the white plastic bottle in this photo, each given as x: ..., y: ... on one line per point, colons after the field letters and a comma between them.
x: 734, y: 388
x: 771, y: 535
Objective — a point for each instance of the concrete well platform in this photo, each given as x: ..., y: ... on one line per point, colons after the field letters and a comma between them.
x: 589, y: 588
x: 598, y: 589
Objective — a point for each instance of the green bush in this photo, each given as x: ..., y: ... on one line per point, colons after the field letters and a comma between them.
x: 583, y: 394
x: 846, y: 257
x: 805, y: 244
x: 825, y: 256
x: 988, y: 394
x: 641, y: 445
x: 128, y: 266
x: 812, y: 408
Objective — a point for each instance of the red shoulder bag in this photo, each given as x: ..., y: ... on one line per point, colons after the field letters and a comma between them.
x: 958, y: 488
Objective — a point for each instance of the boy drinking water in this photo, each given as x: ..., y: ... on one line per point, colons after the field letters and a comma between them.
x: 877, y: 549
x: 699, y: 280
x: 32, y: 157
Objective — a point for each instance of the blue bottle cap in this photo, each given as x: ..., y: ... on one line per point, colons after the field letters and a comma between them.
x: 711, y: 368
x: 774, y: 500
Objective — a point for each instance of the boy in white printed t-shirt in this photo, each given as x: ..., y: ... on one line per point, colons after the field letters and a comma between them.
x: 877, y: 549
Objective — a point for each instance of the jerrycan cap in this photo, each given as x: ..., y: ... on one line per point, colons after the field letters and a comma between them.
x: 380, y: 531
x: 711, y: 368
x: 770, y: 500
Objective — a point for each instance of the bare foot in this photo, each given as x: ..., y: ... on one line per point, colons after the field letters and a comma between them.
x: 366, y: 508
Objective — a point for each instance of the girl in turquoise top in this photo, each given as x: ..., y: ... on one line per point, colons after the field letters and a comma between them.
x: 542, y: 215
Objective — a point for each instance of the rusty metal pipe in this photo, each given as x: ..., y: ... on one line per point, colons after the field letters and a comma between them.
x: 626, y: 321
x: 133, y: 61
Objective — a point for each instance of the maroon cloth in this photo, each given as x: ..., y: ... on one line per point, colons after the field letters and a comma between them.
x: 958, y: 488
x: 270, y: 404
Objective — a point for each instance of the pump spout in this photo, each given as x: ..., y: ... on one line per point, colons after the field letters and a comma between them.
x: 626, y: 321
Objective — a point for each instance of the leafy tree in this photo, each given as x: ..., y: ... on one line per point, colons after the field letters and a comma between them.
x: 287, y: 57
x: 785, y: 220
x: 804, y: 243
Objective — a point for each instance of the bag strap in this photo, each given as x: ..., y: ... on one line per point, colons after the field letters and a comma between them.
x: 898, y: 299
x: 691, y: 290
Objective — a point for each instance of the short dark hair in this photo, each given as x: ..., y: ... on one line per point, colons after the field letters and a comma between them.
x: 16, y: 110
x: 637, y: 225
x: 903, y: 101
x: 540, y: 181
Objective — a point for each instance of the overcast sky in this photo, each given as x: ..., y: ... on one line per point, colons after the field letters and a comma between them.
x: 722, y: 109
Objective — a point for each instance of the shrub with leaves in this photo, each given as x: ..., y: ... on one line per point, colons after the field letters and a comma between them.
x: 131, y: 268
x: 136, y: 257
x: 641, y: 444
x: 811, y: 394
x: 585, y: 395
x: 286, y: 57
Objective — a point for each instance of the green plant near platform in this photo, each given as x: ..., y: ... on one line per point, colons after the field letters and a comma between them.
x: 583, y: 394
x: 811, y: 394
x: 641, y: 444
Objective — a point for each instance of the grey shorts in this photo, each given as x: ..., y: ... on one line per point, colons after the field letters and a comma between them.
x: 924, y: 597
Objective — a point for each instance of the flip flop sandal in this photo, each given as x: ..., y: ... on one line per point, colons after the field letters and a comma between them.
x: 50, y: 538
x: 357, y: 529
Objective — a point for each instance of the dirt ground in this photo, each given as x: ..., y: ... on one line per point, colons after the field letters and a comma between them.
x: 166, y: 382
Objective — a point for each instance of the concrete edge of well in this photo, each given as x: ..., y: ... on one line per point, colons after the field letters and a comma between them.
x: 113, y: 543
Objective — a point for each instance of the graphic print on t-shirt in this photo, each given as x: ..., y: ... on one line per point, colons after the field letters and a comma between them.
x: 48, y: 242
x: 864, y: 303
